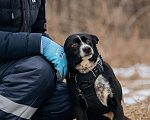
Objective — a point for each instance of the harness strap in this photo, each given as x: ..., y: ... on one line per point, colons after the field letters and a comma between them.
x: 92, y: 101
x: 86, y: 83
x: 96, y: 71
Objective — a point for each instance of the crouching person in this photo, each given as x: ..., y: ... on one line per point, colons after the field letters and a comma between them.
x: 29, y: 60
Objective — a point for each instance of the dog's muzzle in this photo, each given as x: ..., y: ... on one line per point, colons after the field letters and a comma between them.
x: 86, y: 51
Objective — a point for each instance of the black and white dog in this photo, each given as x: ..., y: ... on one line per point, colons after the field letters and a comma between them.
x: 93, y: 87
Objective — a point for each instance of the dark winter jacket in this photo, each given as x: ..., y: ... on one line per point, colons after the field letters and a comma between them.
x: 21, y: 25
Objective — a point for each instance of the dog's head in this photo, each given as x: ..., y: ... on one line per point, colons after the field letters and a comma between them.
x: 79, y: 48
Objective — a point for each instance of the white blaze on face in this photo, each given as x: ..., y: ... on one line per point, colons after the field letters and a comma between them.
x: 85, y: 65
x: 83, y: 45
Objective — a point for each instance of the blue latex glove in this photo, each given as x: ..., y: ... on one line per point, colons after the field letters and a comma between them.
x: 55, y: 53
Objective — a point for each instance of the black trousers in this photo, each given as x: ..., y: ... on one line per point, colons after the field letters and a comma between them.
x: 29, y: 89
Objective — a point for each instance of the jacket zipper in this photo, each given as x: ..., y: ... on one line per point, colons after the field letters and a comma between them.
x: 22, y: 16
x: 12, y: 11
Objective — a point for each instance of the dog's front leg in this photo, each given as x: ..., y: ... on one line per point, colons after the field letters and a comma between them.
x: 81, y: 114
x: 81, y: 109
x: 116, y: 107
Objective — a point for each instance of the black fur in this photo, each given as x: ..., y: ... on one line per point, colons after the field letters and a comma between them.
x: 73, y: 59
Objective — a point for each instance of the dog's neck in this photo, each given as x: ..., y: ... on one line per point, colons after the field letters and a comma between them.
x: 86, y: 65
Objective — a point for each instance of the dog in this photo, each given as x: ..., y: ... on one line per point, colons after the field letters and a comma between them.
x: 95, y: 91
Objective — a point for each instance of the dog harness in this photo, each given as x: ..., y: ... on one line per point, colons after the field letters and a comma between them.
x: 85, y: 83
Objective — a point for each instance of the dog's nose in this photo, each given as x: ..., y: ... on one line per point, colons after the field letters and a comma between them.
x: 87, y: 50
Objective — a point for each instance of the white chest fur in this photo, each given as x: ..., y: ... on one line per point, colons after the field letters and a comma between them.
x: 86, y: 65
x: 103, y: 89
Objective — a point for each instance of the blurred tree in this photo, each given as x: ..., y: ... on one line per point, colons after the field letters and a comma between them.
x: 110, y: 15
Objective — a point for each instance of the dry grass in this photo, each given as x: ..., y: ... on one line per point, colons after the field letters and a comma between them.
x: 140, y: 111
x: 121, y: 53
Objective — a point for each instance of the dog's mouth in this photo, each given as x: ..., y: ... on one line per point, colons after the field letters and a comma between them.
x: 88, y: 56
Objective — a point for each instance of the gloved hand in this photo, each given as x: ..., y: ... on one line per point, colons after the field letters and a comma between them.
x: 55, y: 53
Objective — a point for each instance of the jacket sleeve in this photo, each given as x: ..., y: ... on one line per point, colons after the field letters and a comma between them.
x: 19, y: 45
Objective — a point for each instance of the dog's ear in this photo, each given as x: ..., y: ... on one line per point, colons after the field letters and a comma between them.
x: 94, y: 37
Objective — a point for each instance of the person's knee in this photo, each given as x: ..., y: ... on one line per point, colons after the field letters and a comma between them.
x: 42, y: 71
x: 45, y: 70
x: 30, y: 82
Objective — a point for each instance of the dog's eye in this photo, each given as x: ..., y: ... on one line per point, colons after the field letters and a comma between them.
x: 88, y: 41
x: 74, y: 45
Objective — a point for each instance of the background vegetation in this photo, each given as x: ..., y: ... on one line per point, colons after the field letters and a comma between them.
x: 123, y: 26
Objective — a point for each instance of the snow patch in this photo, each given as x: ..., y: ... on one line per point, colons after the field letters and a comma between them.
x: 124, y: 72
x: 125, y: 90
x: 139, y: 96
x: 145, y: 92
x: 142, y: 69
x: 142, y: 82
x: 134, y: 99
x: 144, y: 72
